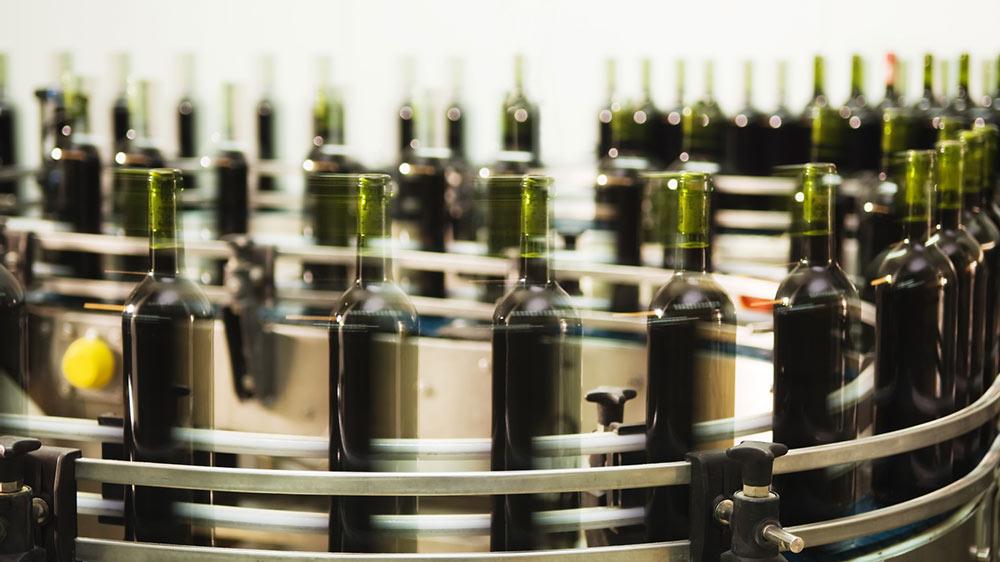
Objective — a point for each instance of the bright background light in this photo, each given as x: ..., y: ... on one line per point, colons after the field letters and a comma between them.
x: 565, y: 42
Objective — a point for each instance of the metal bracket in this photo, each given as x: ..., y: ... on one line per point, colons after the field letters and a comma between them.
x: 249, y: 277
x: 714, y: 477
x: 51, y: 474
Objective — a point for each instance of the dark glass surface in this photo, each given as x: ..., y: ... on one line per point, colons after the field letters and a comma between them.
x: 420, y: 207
x: 747, y: 136
x: 13, y: 345
x: 536, y: 392
x: 232, y: 213
x: 619, y: 203
x: 266, y: 149
x: 80, y: 194
x: 8, y: 148
x: 691, y: 350
x: 914, y: 364
x: 121, y: 122
x: 816, y: 365
x: 187, y: 140
x: 373, y: 394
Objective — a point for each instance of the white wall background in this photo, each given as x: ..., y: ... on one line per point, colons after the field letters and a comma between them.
x: 565, y: 42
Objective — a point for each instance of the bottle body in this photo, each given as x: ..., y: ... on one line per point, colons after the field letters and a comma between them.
x: 14, y: 350
x: 8, y: 146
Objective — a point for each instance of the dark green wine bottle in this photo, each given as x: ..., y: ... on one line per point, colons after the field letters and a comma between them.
x: 454, y: 114
x: 167, y: 339
x: 327, y: 153
x: 878, y: 229
x: 893, y: 95
x: 703, y: 127
x: 926, y: 110
x: 536, y: 381
x: 501, y: 196
x: 373, y: 373
x: 187, y: 135
x: 520, y: 118
x: 978, y: 223
x: 691, y: 335
x: 121, y: 111
x: 605, y: 117
x: 862, y: 130
x: 671, y: 132
x: 232, y: 211
x: 961, y: 105
x: 785, y: 138
x: 407, y: 110
x: 746, y: 135
x: 266, y: 121
x: 816, y: 321
x: 967, y: 258
x: 645, y: 118
x: 8, y: 128
x: 14, y: 347
x: 421, y: 209
x: 916, y: 299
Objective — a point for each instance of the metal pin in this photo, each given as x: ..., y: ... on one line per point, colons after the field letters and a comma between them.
x: 785, y: 540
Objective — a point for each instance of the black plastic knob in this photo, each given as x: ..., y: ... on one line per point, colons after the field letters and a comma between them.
x: 757, y: 460
x: 12, y: 452
x: 610, y: 402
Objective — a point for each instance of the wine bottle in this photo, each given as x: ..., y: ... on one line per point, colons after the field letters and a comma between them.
x: 79, y: 193
x: 267, y: 146
x: 991, y: 163
x: 978, y: 223
x: 329, y: 219
x: 232, y: 213
x: 926, y: 110
x: 327, y: 153
x: 746, y: 145
x: 786, y: 141
x: 816, y: 363
x: 862, y: 131
x: 967, y: 258
x: 645, y: 118
x: 691, y: 339
x: 703, y: 126
x: 671, y: 132
x: 454, y: 113
x: 56, y: 107
x: 989, y: 207
x: 915, y: 308
x: 961, y: 105
x: 373, y: 372
x: 605, y: 117
x: 140, y: 151
x: 14, y: 350
x: 167, y: 332
x: 8, y: 139
x: 995, y: 106
x: 187, y: 136
x: 893, y: 96
x: 407, y: 110
x: 121, y: 112
x: 878, y: 229
x: 421, y: 209
x: 520, y: 118
x: 536, y: 381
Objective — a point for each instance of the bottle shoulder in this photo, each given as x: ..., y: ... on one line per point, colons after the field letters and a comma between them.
x: 526, y: 301
x: 374, y: 300
x: 958, y: 245
x: 811, y: 284
x: 11, y: 291
x: 981, y: 227
x: 906, y: 261
x: 174, y: 296
x: 690, y: 293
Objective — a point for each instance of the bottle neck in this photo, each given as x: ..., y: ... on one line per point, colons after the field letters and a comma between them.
x: 928, y: 78
x: 374, y: 254
x: 694, y: 259
x: 963, y: 77
x: 916, y: 230
x: 748, y: 84
x: 535, y: 237
x: 950, y: 218
x: 857, y: 78
x: 818, y: 77
x: 680, y: 83
x: 818, y: 249
x: 166, y: 250
x: 782, y: 83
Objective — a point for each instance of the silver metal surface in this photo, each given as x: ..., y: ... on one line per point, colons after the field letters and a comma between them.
x: 290, y: 521
x: 535, y: 481
x: 785, y: 540
x: 966, y: 489
x: 120, y: 551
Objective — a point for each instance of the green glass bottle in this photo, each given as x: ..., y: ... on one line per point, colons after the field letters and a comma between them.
x: 167, y: 334
x: 862, y: 131
x: 978, y: 223
x: 606, y: 115
x: 967, y: 258
x: 961, y: 106
x: 825, y: 124
x: 373, y: 373
x: 454, y: 113
x: 746, y: 142
x: 187, y: 134
x: 8, y: 139
x: 786, y: 140
x: 671, y: 134
x: 816, y: 322
x: 121, y: 111
x: 645, y: 117
x: 703, y: 127
x: 326, y: 151
x: 502, y: 205
x: 520, y: 118
x: 536, y: 380
x: 691, y: 340
x: 266, y: 126
x: 329, y: 219
x: 926, y: 110
x: 915, y: 305
x: 232, y: 208
x: 893, y: 96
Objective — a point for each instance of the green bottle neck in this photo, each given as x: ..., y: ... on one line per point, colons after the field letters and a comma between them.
x: 857, y: 77
x: 693, y: 231
x: 812, y: 213
x: 166, y: 249
x: 950, y: 190
x: 374, y: 252
x: 819, y: 78
x: 928, y: 78
x: 963, y: 77
x: 535, y: 235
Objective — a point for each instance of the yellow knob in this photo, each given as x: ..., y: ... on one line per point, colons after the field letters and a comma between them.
x: 88, y: 363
